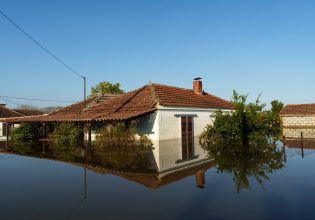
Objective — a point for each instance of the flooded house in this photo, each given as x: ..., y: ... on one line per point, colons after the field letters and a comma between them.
x: 298, y: 120
x: 13, y: 113
x: 172, y: 117
x: 6, y: 113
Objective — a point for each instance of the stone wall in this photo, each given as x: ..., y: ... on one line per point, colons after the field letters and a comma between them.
x: 294, y: 125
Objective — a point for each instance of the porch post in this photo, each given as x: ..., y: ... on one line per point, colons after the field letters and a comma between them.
x: 7, y: 135
x: 11, y: 132
x: 88, y: 130
x: 89, y: 133
x: 44, y: 130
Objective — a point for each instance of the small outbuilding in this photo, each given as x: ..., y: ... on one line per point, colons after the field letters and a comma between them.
x: 298, y: 120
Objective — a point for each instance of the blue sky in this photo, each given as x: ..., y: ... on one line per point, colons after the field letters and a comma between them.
x: 253, y: 46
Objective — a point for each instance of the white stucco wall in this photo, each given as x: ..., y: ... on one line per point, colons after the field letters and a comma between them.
x: 164, y: 128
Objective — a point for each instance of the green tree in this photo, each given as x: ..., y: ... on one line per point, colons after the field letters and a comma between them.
x: 247, y: 124
x: 242, y: 142
x: 276, y: 106
x: 106, y: 88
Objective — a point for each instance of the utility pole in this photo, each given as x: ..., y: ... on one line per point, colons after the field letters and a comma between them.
x: 84, y: 79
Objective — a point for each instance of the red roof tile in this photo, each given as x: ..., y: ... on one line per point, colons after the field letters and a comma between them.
x: 301, y: 109
x: 178, y: 97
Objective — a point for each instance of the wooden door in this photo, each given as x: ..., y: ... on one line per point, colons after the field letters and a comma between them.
x: 187, y: 137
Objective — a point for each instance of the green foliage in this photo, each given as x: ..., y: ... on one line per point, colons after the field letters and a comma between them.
x: 247, y: 124
x: 67, y: 133
x: 27, y: 132
x: 241, y: 142
x: 119, y: 136
x: 106, y: 88
x: 276, y: 106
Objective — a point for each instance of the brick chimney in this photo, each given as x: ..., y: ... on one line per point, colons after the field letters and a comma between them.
x: 197, y: 86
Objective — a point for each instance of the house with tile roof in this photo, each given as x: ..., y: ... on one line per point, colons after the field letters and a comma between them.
x: 6, y: 113
x: 164, y: 113
x: 298, y: 119
x: 13, y: 113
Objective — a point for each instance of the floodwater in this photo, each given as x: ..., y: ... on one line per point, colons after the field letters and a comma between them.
x: 61, y: 183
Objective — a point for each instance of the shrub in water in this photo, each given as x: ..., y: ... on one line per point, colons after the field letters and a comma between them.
x: 67, y: 133
x: 119, y: 136
x: 27, y: 132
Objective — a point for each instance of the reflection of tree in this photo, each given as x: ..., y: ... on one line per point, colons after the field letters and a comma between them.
x: 244, y: 162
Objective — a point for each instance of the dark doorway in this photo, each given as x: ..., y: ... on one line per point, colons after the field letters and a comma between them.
x: 187, y: 138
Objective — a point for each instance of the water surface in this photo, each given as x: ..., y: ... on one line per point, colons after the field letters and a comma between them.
x: 50, y: 186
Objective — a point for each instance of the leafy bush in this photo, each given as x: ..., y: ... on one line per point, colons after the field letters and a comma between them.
x: 27, y: 132
x: 247, y: 124
x: 67, y: 133
x: 242, y: 142
x: 119, y: 136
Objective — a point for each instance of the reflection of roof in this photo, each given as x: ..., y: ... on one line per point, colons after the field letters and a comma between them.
x: 297, y: 143
x: 135, y: 104
x: 301, y: 109
x: 29, y: 112
x: 8, y: 113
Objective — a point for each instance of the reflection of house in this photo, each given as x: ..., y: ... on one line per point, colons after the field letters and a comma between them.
x: 135, y: 168
x: 297, y: 119
x: 298, y: 143
x: 164, y: 113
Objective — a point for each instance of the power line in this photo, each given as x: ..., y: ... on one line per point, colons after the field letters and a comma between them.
x: 46, y: 50
x: 40, y: 45
x: 35, y: 99
x: 11, y: 102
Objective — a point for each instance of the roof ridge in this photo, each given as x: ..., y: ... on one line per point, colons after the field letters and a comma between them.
x: 154, y: 94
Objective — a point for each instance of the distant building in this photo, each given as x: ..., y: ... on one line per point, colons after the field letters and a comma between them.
x: 13, y: 113
x: 297, y: 119
x: 6, y: 113
x: 29, y: 112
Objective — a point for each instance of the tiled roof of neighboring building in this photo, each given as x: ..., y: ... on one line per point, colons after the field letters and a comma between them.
x: 301, y: 109
x: 135, y: 104
x: 8, y: 113
x: 29, y: 112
